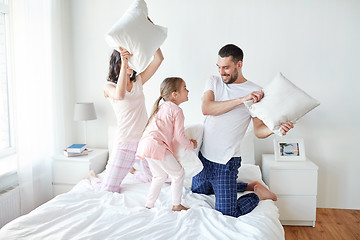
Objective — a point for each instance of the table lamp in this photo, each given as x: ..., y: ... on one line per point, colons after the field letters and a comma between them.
x: 84, y: 111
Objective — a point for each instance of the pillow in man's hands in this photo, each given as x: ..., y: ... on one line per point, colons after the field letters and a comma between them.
x: 134, y: 32
x: 282, y: 102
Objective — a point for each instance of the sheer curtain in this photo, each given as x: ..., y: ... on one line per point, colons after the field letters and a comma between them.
x: 36, y: 96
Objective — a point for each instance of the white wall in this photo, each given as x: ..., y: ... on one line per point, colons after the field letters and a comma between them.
x: 314, y: 43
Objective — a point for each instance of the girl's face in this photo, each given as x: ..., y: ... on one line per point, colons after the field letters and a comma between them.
x: 182, y: 94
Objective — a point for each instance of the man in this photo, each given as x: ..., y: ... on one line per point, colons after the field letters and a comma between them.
x: 225, y: 124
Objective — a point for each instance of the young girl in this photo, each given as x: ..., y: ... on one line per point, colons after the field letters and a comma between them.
x: 166, y: 124
x: 124, y: 90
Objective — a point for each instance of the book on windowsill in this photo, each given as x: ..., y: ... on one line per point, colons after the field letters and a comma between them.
x: 71, y: 154
x: 76, y: 148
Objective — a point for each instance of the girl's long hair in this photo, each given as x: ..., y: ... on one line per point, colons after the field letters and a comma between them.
x: 167, y: 87
x: 114, y: 68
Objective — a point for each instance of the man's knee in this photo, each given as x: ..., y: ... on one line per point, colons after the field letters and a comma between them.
x: 202, y: 187
x: 195, y: 185
x: 228, y: 211
x: 196, y: 189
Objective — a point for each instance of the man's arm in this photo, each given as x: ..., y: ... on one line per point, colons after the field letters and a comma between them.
x: 262, y: 131
x: 212, y: 107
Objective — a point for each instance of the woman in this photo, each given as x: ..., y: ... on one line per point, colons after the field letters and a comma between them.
x: 124, y: 90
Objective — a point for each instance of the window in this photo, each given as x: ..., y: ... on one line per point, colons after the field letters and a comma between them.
x: 6, y: 136
x: 8, y: 164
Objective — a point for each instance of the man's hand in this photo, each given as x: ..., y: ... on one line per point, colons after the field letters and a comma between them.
x: 285, y: 127
x: 262, y: 131
x: 256, y: 96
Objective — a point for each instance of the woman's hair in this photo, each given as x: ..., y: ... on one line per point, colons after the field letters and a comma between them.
x: 114, y: 68
x: 167, y: 87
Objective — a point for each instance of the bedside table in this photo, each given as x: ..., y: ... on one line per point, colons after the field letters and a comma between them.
x: 295, y: 184
x: 67, y: 171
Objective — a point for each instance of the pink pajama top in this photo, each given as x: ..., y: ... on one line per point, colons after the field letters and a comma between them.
x: 166, y: 125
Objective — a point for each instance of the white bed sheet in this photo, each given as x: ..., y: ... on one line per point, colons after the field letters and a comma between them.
x: 85, y: 214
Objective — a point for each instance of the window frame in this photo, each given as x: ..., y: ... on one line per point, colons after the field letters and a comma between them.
x: 7, y: 155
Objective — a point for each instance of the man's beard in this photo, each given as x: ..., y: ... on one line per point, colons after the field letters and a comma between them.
x: 232, y: 79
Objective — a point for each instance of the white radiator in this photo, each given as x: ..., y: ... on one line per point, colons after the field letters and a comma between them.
x: 9, y: 205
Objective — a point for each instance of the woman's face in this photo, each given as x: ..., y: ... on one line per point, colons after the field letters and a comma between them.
x: 129, y: 70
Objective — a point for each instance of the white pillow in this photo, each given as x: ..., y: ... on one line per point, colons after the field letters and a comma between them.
x: 189, y: 159
x: 282, y: 102
x: 249, y: 173
x: 134, y: 32
x: 195, y: 131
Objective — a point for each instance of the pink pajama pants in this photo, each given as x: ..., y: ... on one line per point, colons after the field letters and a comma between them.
x: 160, y: 171
x: 120, y: 162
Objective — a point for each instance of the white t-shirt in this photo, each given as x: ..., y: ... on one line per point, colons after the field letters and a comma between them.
x: 224, y: 133
x: 130, y: 112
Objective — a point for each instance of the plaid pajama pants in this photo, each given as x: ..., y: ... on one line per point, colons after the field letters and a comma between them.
x: 220, y: 179
x: 121, y: 160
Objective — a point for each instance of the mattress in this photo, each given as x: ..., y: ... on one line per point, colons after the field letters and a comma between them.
x: 83, y: 213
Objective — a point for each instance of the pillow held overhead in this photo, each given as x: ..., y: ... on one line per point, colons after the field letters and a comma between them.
x: 134, y: 32
x: 282, y: 102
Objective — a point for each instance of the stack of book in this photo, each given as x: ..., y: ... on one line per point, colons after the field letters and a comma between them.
x: 76, y: 150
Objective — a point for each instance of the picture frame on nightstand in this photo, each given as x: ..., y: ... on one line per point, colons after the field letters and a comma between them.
x: 289, y: 149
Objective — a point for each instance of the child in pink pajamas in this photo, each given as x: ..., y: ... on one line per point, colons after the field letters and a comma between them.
x: 124, y: 90
x: 166, y: 124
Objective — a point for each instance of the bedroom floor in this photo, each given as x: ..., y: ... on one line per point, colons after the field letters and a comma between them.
x: 339, y: 224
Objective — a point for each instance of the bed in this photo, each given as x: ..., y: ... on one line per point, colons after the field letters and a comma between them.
x: 83, y: 213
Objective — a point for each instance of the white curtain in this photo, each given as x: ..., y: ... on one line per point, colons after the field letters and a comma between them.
x: 36, y: 96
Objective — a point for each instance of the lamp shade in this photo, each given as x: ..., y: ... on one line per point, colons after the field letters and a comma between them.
x: 84, y: 111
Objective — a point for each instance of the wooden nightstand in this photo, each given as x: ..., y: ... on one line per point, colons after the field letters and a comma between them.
x: 295, y: 184
x: 67, y: 171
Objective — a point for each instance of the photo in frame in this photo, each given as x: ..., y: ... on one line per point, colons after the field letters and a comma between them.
x: 289, y: 149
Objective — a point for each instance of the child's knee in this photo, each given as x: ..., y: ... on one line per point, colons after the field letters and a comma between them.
x: 160, y: 177
x: 179, y: 176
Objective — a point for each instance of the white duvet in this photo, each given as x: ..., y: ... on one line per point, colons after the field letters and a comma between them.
x: 85, y: 214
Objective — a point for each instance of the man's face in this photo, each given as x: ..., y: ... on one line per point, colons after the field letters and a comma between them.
x: 227, y: 69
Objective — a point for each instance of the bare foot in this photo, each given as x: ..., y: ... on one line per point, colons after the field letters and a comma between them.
x: 132, y: 170
x: 264, y: 193
x: 250, y: 186
x: 92, y: 174
x: 179, y: 208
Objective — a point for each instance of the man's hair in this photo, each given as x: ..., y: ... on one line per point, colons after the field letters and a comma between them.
x: 231, y: 50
